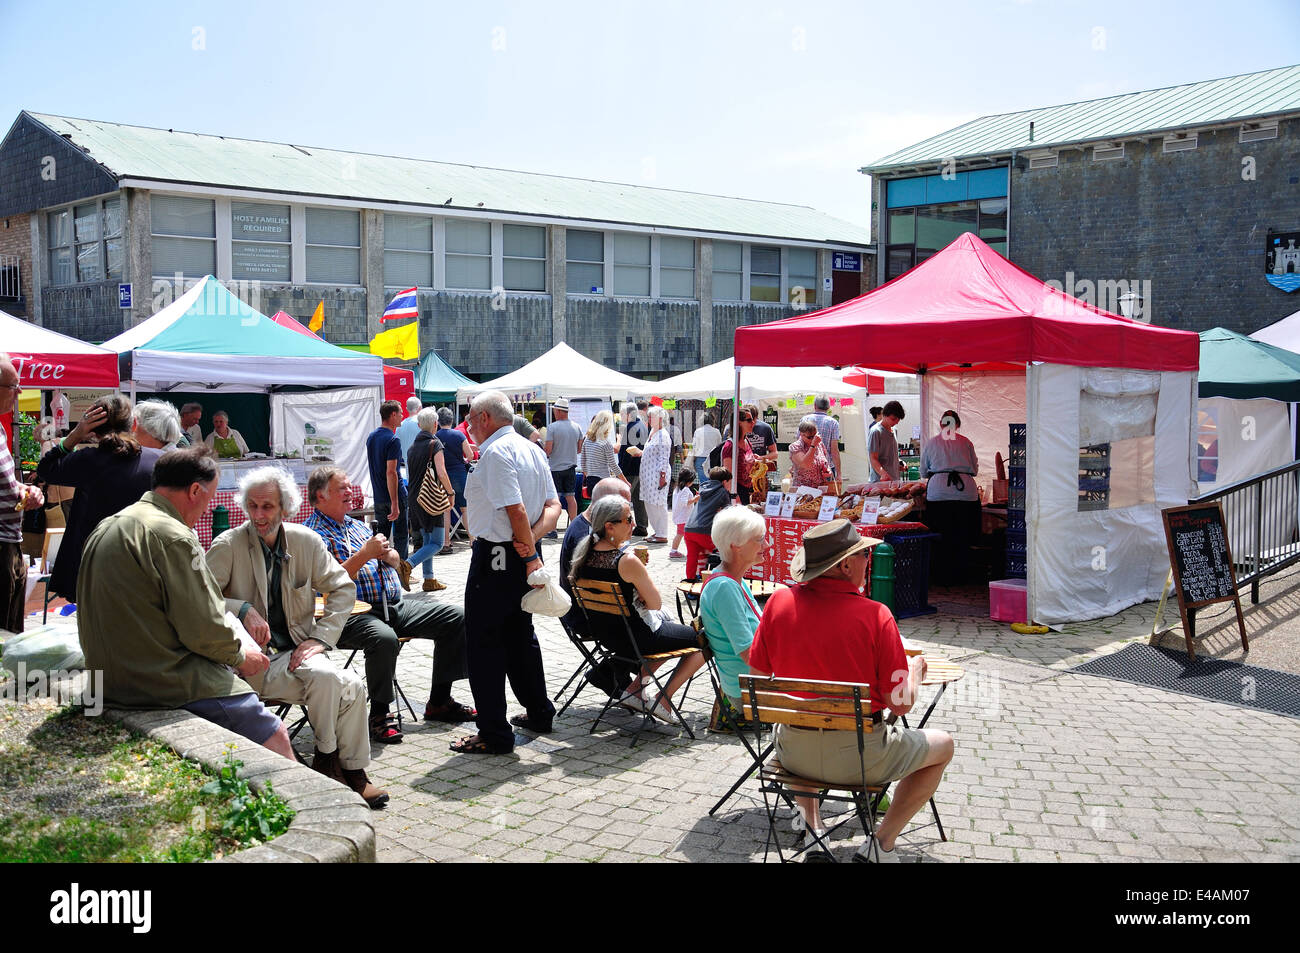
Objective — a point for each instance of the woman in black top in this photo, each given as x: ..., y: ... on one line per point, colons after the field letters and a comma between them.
x: 108, y: 478
x: 602, y: 557
x: 427, y: 452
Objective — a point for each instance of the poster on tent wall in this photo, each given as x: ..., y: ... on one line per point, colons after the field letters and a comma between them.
x: 347, y: 415
x: 583, y: 409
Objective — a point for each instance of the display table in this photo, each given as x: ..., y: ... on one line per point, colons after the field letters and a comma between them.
x: 785, y: 536
x: 226, y: 498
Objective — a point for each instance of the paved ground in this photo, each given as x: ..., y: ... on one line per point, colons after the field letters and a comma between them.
x: 1049, y: 765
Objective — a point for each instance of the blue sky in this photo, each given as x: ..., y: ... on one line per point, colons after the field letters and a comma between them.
x: 777, y: 101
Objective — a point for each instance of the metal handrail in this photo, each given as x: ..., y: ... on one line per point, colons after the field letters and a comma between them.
x: 1261, y: 515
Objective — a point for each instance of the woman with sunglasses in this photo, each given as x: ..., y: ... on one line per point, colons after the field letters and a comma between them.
x: 604, y: 557
x: 745, y: 465
x: 808, y: 455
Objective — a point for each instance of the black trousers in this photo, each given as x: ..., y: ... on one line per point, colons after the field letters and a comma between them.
x: 395, y: 531
x: 958, y: 521
x: 500, y: 642
x: 441, y: 622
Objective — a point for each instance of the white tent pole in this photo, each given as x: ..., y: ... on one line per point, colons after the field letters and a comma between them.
x: 735, y: 434
x: 1293, y: 410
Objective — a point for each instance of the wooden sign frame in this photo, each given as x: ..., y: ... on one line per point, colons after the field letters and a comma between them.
x: 1188, y: 609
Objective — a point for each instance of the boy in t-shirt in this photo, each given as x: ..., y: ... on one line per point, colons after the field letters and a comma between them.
x: 715, y: 495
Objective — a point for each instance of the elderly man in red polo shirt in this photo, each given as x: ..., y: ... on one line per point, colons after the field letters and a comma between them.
x: 826, y: 629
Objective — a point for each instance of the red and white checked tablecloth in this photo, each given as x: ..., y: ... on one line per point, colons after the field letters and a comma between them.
x: 226, y: 498
x: 785, y: 536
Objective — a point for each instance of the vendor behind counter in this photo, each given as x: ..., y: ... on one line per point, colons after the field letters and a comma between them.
x: 949, y: 464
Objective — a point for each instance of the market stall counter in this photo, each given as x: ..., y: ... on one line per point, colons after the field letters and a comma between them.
x: 236, y: 516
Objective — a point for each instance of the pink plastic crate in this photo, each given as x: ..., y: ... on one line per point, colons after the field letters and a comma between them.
x: 1008, y: 599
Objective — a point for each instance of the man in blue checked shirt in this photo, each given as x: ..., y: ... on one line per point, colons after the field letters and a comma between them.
x: 372, y: 563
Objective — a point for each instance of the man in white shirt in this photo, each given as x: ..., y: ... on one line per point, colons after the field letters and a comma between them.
x: 512, y: 504
x: 705, y: 440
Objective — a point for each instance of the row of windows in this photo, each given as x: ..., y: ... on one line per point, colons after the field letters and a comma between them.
x: 917, y: 233
x: 85, y: 244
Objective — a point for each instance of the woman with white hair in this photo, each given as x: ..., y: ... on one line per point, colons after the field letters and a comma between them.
x: 656, y: 474
x: 603, y: 557
x: 156, y: 424
x: 727, y: 608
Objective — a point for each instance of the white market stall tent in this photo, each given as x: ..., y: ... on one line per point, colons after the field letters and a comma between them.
x: 560, y: 372
x: 209, y: 340
x: 1000, y: 346
x: 774, y: 387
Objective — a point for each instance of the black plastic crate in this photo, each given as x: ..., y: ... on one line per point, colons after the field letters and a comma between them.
x: 1016, y: 566
x: 1016, y: 479
x: 1019, y: 456
x: 912, y: 573
x: 1015, y: 499
x: 1096, y: 457
x: 1015, y: 521
x: 1016, y: 542
x: 1018, y: 433
x: 1094, y: 484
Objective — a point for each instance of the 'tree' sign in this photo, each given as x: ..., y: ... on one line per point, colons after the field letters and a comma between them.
x: 1201, y: 562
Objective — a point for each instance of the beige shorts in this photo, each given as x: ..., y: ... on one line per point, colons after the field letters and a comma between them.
x: 890, y: 752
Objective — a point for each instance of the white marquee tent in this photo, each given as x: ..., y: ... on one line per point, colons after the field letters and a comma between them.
x: 560, y: 372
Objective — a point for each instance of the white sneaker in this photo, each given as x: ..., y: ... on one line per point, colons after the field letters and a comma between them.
x: 633, y: 703
x: 872, y: 853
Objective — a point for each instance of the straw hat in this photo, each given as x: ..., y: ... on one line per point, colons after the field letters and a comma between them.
x: 824, y: 546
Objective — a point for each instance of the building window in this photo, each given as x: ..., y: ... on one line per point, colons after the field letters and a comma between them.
x: 408, y: 251
x: 585, y: 262
x: 728, y: 271
x: 676, y: 267
x: 764, y: 273
x: 917, y: 233
x: 333, y: 246
x: 524, y: 257
x: 184, y: 236
x: 85, y: 242
x: 802, y: 276
x: 469, y: 254
x: 631, y: 264
x: 259, y: 242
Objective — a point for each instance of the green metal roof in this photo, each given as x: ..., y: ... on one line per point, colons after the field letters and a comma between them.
x: 1235, y: 98
x: 164, y: 155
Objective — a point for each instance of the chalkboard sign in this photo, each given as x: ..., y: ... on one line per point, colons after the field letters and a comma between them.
x: 1201, y: 563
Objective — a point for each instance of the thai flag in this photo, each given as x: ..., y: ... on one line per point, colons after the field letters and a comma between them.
x: 403, y: 305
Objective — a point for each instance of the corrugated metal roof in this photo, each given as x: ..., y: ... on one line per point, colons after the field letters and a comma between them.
x: 173, y: 156
x: 1234, y: 98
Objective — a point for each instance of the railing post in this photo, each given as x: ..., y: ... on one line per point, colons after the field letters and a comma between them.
x: 1259, y: 543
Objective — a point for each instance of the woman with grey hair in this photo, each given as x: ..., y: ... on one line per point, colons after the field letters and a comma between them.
x: 156, y: 424
x: 224, y: 439
x: 656, y: 474
x: 425, y: 461
x: 603, y: 557
x: 453, y: 457
x: 727, y: 607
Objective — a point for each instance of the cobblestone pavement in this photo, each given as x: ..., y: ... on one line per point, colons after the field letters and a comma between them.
x: 1049, y: 765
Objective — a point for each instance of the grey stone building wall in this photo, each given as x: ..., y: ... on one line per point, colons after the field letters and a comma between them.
x: 635, y: 336
x: 346, y: 311
x: 1192, y: 223
x: 727, y: 316
x: 86, y: 311
x: 479, y: 339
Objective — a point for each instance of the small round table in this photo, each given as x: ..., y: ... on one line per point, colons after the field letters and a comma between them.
x: 358, y: 607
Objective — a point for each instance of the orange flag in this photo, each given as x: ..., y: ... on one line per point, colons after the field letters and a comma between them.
x: 317, y: 319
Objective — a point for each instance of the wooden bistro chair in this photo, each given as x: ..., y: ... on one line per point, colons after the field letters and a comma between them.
x: 593, y: 655
x: 838, y: 706
x: 728, y: 718
x: 606, y: 598
x: 399, y: 696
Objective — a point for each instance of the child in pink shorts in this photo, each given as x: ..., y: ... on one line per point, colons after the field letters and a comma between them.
x: 684, y: 498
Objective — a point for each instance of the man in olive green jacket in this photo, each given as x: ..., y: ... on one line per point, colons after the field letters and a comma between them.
x: 269, y: 571
x: 151, y: 616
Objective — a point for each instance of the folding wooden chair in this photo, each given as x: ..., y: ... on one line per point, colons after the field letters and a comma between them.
x: 593, y: 655
x: 399, y: 696
x: 606, y: 598
x: 838, y: 706
x: 49, y: 550
x: 728, y: 715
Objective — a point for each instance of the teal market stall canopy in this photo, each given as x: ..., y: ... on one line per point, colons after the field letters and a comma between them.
x: 208, y: 337
x: 436, y: 381
x: 1232, y: 365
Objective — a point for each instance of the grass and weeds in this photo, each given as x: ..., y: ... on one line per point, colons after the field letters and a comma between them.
x: 86, y: 790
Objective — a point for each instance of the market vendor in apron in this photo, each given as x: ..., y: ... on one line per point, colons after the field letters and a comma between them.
x: 952, y: 506
x: 224, y: 439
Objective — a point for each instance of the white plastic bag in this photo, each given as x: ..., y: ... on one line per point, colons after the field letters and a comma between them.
x: 549, y: 600
x: 47, y: 648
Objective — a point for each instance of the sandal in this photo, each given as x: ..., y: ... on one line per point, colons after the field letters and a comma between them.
x: 453, y: 713
x: 384, y: 730
x: 473, y: 744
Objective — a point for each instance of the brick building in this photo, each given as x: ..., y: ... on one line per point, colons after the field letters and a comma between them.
x: 1164, y: 202
x: 649, y: 281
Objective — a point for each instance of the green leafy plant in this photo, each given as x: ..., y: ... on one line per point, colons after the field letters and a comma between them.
x: 29, y: 447
x: 247, y: 816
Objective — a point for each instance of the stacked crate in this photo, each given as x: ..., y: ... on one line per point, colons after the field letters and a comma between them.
x: 1016, y: 488
x: 1094, y: 477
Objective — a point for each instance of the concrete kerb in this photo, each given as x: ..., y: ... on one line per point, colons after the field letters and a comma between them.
x: 331, y: 824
